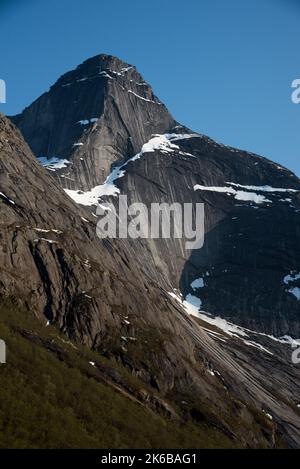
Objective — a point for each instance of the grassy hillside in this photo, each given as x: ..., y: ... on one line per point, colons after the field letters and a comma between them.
x: 52, y: 397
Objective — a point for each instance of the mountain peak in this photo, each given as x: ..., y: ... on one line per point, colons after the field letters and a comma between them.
x: 106, y: 60
x: 96, y: 66
x: 87, y: 119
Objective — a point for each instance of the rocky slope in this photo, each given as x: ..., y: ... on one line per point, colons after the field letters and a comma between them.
x: 115, y: 410
x: 101, y: 132
x: 251, y: 254
x: 53, y: 265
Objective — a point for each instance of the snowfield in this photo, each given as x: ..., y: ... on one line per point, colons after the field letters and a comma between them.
x: 162, y: 143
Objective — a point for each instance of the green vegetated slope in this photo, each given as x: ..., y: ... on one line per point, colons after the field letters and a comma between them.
x: 52, y: 397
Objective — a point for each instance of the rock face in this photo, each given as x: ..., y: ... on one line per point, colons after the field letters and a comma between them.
x: 250, y: 260
x: 51, y: 258
x: 52, y: 263
x: 99, y: 113
x: 121, y: 297
x: 249, y: 263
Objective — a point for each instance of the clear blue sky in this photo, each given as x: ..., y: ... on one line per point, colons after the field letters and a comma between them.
x: 223, y: 67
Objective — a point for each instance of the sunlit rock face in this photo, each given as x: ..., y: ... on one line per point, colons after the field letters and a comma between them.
x: 95, y: 115
x: 101, y: 132
x: 178, y: 319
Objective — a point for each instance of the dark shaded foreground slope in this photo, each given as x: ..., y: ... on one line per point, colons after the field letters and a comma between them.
x: 54, y: 394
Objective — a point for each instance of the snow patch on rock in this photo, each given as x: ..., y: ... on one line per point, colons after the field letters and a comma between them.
x: 53, y: 163
x: 7, y: 198
x: 290, y: 278
x: 162, y: 143
x: 238, y: 195
x: 197, y: 283
x: 262, y: 188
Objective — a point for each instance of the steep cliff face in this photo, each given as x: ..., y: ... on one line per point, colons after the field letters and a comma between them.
x: 52, y: 263
x: 248, y: 268
x: 99, y: 116
x: 99, y: 113
x: 51, y: 258
x: 103, y: 294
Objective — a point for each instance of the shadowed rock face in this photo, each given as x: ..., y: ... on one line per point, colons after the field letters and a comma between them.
x: 251, y: 233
